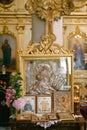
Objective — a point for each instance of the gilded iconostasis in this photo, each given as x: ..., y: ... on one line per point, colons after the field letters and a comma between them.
x: 17, y: 26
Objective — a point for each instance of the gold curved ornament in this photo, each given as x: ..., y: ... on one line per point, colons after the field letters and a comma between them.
x: 6, y: 6
x: 7, y: 31
x: 76, y: 33
x: 46, y: 46
x: 80, y: 3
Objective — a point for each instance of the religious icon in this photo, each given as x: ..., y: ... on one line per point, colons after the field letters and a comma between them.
x: 7, y: 52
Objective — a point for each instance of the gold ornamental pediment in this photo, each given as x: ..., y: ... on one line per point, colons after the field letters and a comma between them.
x: 46, y: 46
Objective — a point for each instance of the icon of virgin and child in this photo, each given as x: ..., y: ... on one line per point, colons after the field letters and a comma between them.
x: 44, y: 80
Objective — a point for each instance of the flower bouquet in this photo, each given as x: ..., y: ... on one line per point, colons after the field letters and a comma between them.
x: 13, y: 95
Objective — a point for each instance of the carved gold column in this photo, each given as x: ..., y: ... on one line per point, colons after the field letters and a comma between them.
x: 20, y: 39
x: 20, y: 29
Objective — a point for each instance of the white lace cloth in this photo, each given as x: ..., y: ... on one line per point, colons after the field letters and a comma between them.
x: 47, y: 124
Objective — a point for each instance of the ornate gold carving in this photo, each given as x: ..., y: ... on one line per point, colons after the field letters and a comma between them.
x: 80, y: 7
x: 7, y: 31
x: 49, y: 10
x: 46, y: 46
x: 77, y: 32
x: 20, y: 28
x: 6, y: 6
x: 80, y: 3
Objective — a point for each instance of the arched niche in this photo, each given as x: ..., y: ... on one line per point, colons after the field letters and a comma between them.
x: 77, y: 41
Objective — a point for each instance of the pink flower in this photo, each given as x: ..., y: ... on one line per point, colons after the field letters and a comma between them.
x: 13, y: 91
x: 8, y: 90
x: 19, y: 103
x: 10, y: 95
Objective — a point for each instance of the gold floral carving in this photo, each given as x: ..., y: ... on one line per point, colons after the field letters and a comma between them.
x: 49, y: 9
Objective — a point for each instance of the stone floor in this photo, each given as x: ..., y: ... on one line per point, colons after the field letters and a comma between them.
x: 5, y: 128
